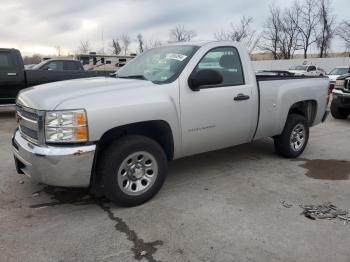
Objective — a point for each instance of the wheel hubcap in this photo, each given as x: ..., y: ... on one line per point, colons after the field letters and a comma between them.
x: 297, y: 138
x: 137, y: 173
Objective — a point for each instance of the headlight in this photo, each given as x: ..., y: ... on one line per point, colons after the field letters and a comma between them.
x: 340, y: 83
x: 66, y: 126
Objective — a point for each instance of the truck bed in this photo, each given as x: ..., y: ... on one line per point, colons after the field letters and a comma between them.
x: 279, y: 93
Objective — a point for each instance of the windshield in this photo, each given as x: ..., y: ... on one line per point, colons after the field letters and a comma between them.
x: 158, y: 65
x: 339, y: 71
x: 39, y: 65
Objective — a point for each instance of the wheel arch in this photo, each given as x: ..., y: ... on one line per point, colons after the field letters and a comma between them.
x: 158, y: 130
x: 305, y: 108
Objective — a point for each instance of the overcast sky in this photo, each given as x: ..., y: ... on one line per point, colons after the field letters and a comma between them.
x: 38, y: 26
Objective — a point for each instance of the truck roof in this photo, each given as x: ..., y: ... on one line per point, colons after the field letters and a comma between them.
x: 8, y: 49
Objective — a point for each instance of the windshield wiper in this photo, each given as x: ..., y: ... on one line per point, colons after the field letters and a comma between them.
x: 134, y: 77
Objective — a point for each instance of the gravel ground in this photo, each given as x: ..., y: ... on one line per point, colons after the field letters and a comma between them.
x: 237, y: 204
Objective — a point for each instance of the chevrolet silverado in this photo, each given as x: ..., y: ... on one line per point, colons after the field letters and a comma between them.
x: 116, y: 135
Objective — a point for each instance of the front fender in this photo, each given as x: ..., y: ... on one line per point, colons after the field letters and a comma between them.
x: 107, y: 110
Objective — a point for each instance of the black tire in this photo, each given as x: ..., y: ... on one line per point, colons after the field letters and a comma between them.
x: 339, y: 112
x: 112, y: 159
x: 283, y: 146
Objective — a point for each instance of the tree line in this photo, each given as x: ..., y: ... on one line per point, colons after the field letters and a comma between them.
x: 305, y: 24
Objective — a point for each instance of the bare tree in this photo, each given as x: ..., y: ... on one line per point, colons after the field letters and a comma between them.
x: 241, y: 33
x: 343, y: 31
x: 237, y: 33
x: 84, y: 47
x: 327, y: 27
x: 307, y: 23
x: 290, y: 33
x: 126, y: 42
x: 180, y: 34
x: 272, y: 34
x: 152, y: 43
x: 116, y: 49
x: 141, y: 42
x: 34, y: 59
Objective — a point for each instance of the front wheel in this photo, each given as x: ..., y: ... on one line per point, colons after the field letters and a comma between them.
x: 133, y: 169
x: 293, y: 140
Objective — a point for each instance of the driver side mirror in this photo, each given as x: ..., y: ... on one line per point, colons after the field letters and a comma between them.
x: 204, y: 77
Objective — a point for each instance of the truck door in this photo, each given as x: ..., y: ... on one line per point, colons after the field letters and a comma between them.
x: 222, y: 115
x: 11, y: 79
x: 54, y: 72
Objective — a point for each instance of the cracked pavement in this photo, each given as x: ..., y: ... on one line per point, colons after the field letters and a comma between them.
x: 218, y: 206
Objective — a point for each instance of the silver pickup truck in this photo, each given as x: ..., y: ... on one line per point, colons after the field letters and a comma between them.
x: 116, y: 135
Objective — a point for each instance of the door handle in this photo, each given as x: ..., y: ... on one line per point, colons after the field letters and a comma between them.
x: 241, y: 97
x: 11, y: 74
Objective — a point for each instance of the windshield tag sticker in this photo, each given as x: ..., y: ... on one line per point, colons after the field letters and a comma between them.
x: 178, y: 57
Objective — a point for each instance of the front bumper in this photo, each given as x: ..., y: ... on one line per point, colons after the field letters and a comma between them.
x: 68, y: 166
x: 341, y: 97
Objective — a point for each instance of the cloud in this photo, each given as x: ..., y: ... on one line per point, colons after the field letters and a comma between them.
x: 31, y: 24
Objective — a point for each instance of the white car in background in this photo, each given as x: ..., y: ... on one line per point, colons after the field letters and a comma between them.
x: 338, y: 71
x: 307, y: 70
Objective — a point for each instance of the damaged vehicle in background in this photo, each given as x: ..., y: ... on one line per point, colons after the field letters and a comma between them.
x: 340, y: 106
x: 307, y: 70
x: 335, y: 73
x: 116, y: 135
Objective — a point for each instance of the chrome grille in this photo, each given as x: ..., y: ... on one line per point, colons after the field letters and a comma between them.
x: 29, y: 123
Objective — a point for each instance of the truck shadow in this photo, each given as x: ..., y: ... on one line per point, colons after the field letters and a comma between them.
x: 224, y: 159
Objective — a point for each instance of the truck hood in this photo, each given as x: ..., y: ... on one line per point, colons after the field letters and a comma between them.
x: 333, y: 77
x: 49, y: 96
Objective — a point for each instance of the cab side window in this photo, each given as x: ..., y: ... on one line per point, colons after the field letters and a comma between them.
x: 54, y: 65
x: 227, y: 62
x: 311, y: 68
x: 6, y: 61
x: 71, y: 65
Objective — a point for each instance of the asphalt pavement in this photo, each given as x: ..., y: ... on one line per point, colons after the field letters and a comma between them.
x: 236, y: 204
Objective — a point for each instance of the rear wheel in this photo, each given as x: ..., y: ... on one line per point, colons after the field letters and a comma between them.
x: 339, y: 112
x: 293, y: 140
x: 133, y: 169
